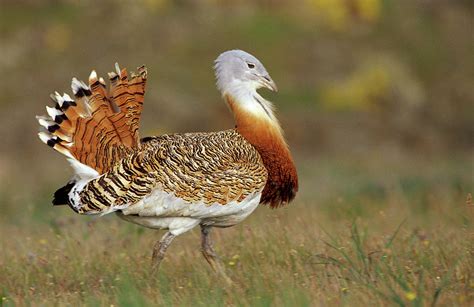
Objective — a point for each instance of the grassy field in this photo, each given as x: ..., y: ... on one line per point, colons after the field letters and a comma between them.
x: 358, y: 234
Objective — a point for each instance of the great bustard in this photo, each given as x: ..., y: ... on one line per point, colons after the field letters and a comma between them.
x: 178, y: 181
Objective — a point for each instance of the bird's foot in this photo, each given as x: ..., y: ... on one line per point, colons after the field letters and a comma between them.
x: 211, y: 256
x: 216, y: 264
x: 159, y: 250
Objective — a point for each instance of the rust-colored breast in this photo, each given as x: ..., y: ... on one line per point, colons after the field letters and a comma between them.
x: 266, y: 136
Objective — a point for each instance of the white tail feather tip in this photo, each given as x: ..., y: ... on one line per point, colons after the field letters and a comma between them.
x: 93, y: 76
x: 75, y: 85
x: 45, y: 123
x: 66, y: 97
x: 59, y: 98
x: 53, y: 112
x: 117, y: 69
x: 44, y: 137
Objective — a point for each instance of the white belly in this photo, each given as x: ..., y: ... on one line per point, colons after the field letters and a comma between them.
x: 162, y: 210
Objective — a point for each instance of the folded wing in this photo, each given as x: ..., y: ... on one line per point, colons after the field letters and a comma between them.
x: 208, y: 168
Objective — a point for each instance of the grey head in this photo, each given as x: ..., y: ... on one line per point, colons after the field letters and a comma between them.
x: 238, y: 70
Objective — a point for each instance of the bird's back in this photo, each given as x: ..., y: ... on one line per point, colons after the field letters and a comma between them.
x: 217, y: 168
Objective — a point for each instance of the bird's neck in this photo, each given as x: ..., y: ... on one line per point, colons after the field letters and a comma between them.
x: 254, y: 119
x: 249, y: 100
x: 256, y: 122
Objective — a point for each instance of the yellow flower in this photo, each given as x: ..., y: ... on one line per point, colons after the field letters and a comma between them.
x: 360, y: 91
x: 369, y: 10
x: 410, y: 295
x: 333, y: 13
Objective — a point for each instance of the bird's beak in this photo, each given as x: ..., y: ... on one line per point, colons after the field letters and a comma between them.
x: 269, y: 83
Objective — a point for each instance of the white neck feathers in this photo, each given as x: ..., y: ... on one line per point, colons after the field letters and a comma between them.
x: 249, y: 100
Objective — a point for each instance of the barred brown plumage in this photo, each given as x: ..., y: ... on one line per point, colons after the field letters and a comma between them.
x: 223, y: 168
x: 176, y: 181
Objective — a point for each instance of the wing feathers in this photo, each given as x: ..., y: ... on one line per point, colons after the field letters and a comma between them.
x: 224, y: 169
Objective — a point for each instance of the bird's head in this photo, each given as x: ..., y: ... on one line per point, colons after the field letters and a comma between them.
x: 239, y: 75
x: 237, y: 69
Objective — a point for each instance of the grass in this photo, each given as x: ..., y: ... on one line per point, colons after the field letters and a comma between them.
x: 407, y: 241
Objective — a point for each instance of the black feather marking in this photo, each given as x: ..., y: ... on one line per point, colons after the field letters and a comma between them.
x: 51, y: 142
x: 53, y: 128
x: 81, y: 92
x: 67, y: 104
x: 61, y: 196
x: 60, y: 118
x: 147, y: 139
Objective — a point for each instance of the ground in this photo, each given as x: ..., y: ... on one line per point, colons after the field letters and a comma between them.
x: 357, y: 234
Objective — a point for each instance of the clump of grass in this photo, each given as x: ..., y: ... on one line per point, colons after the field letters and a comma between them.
x: 381, y: 271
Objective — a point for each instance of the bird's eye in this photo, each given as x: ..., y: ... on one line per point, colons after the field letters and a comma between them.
x: 250, y: 65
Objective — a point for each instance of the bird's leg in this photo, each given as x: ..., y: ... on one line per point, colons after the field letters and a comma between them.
x: 159, y: 250
x: 210, y: 254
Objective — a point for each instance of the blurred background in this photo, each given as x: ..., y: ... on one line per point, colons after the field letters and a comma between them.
x: 374, y: 94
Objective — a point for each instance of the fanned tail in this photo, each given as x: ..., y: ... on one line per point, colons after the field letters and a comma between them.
x: 128, y: 96
x: 99, y: 126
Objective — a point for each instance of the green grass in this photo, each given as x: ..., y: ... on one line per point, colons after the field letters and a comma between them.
x: 359, y: 240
